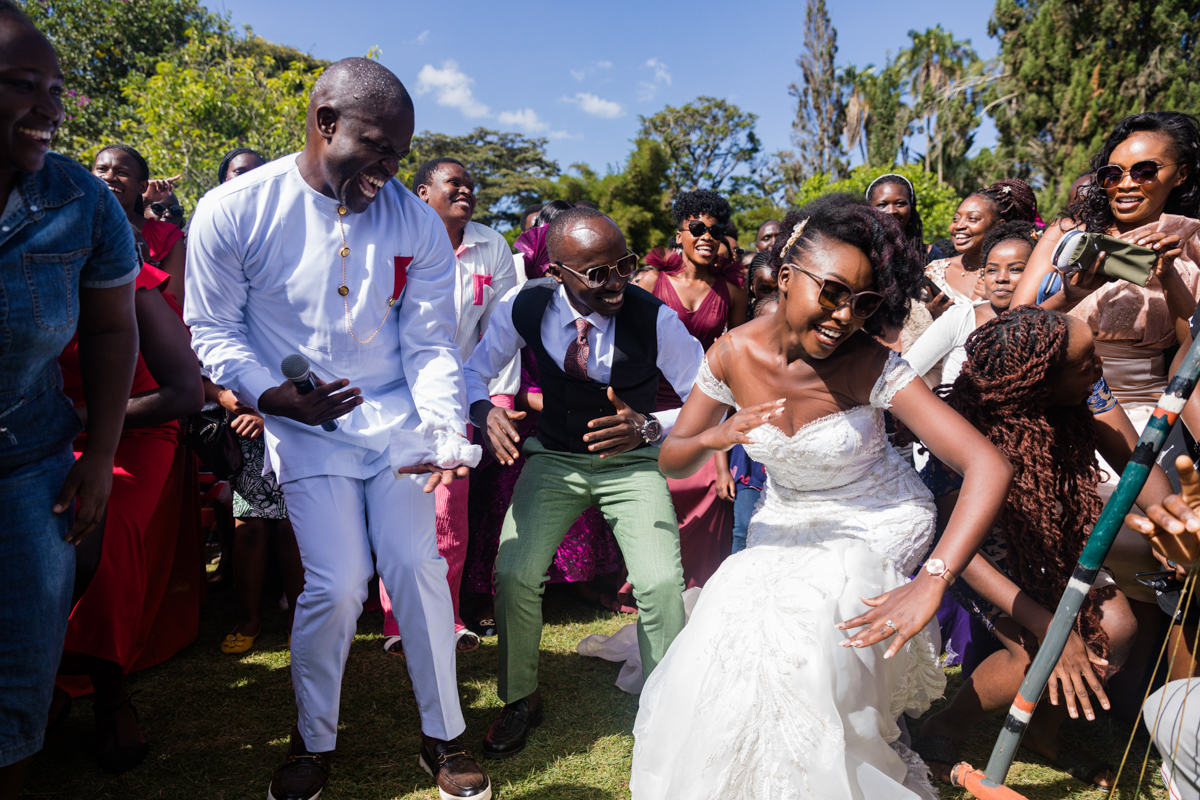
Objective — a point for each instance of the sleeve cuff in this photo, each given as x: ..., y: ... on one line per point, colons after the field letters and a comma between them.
x: 253, y: 384
x: 121, y: 281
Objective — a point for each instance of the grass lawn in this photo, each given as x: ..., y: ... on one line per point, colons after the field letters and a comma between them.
x: 217, y: 725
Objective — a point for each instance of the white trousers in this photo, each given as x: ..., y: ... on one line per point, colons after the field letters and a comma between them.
x: 339, y: 522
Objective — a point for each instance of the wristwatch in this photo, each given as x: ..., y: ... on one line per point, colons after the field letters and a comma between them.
x: 651, y: 430
x: 938, y: 569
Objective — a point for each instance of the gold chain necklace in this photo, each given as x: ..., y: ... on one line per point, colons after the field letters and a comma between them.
x: 344, y: 290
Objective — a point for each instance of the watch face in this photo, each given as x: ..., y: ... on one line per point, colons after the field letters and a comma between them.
x: 653, y: 431
x: 935, y: 566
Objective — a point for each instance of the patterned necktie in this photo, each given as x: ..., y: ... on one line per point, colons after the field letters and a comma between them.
x: 575, y: 364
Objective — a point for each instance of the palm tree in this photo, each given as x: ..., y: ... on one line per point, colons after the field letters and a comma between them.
x: 932, y: 64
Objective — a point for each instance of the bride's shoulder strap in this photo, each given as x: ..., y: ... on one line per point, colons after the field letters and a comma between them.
x: 708, y: 381
x: 896, y: 374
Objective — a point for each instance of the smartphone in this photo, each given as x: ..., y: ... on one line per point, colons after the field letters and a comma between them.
x: 929, y: 289
x: 1077, y: 251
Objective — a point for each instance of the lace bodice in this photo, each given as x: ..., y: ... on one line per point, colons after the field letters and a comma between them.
x: 831, y: 451
x: 838, y: 477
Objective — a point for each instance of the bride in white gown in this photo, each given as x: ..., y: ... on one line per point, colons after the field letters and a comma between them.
x: 769, y: 692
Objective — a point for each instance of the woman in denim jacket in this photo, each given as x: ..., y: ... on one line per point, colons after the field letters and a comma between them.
x: 67, y: 261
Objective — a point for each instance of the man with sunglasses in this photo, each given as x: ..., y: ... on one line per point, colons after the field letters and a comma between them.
x: 601, y: 346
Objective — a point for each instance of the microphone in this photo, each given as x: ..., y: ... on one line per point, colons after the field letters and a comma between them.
x: 295, y: 369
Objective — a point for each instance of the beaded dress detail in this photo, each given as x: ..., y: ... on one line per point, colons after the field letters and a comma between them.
x: 756, y: 698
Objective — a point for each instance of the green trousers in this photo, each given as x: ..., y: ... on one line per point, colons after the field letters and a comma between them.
x: 553, y: 490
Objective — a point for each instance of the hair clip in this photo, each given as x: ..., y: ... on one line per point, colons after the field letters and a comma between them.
x: 796, y: 232
x: 1006, y: 189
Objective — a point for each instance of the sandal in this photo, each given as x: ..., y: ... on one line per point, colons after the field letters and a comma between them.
x: 114, y: 757
x: 393, y: 646
x: 236, y: 644
x: 466, y: 641
x: 486, y: 627
x: 938, y: 749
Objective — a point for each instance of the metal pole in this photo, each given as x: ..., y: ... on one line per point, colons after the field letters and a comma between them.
x: 1094, y: 552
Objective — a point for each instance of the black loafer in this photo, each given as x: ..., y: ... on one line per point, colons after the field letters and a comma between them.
x: 508, y: 733
x: 302, y: 775
x: 456, y: 773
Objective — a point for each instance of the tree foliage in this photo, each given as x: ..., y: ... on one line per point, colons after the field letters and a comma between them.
x: 207, y: 99
x: 509, y: 170
x: 820, y: 110
x: 1074, y: 68
x: 936, y: 201
x: 705, y: 141
x: 103, y: 43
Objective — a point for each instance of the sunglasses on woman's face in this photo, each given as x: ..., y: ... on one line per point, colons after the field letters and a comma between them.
x: 1141, y: 173
x: 598, y: 275
x: 160, y: 209
x: 697, y: 229
x: 833, y: 294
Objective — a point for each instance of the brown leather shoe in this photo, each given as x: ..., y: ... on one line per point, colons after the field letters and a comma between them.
x: 508, y: 733
x: 302, y: 774
x: 456, y: 773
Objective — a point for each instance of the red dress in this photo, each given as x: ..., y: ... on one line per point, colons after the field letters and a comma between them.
x: 143, y: 605
x: 160, y: 238
x: 705, y: 521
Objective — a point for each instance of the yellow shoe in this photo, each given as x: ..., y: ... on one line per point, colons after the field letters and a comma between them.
x: 235, y: 643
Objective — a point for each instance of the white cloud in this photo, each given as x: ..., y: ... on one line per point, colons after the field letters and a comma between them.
x: 422, y: 37
x: 661, y: 74
x: 526, y: 119
x: 579, y: 74
x: 604, y: 65
x: 451, y: 87
x: 596, y: 106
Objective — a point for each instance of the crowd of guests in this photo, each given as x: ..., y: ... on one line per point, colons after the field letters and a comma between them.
x: 574, y: 381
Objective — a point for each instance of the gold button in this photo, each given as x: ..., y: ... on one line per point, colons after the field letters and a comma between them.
x: 391, y: 302
x: 341, y: 211
x: 343, y: 290
x: 345, y: 251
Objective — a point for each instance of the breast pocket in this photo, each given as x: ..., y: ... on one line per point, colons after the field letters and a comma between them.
x: 51, y: 278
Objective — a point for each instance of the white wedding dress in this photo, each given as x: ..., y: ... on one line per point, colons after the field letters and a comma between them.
x: 756, y: 699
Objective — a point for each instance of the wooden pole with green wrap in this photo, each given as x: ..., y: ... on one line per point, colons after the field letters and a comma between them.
x: 989, y: 785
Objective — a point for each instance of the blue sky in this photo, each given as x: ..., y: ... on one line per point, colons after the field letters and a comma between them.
x: 579, y: 74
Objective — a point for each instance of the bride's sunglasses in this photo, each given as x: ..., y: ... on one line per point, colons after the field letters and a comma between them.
x: 833, y: 294
x: 1141, y: 173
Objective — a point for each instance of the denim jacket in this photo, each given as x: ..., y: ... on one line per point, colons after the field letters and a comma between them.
x: 69, y: 233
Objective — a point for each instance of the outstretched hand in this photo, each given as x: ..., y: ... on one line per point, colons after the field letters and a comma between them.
x: 325, y: 403
x: 437, y: 475
x: 907, y: 608
x: 1173, y: 528
x: 501, y: 435
x: 735, y: 429
x: 1075, y: 672
x: 1081, y: 284
x: 617, y: 434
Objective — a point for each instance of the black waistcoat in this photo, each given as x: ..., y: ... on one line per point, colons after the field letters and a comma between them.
x: 569, y: 404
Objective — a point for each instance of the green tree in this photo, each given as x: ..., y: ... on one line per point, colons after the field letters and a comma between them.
x: 705, y: 140
x: 936, y: 201
x: 820, y: 112
x: 103, y: 43
x: 206, y: 100
x: 1074, y: 68
x: 877, y: 119
x: 510, y: 171
x: 936, y: 65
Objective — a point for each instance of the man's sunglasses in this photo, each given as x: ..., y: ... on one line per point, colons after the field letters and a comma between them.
x: 160, y: 209
x: 1141, y: 173
x: 833, y: 294
x: 697, y: 228
x: 598, y: 275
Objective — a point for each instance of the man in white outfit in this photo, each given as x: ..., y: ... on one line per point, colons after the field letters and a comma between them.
x: 324, y: 254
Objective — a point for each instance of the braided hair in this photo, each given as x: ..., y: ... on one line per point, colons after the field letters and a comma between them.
x: 1011, y: 199
x: 143, y: 169
x: 1053, y: 503
x: 1094, y: 209
x: 897, y: 265
x: 1017, y: 230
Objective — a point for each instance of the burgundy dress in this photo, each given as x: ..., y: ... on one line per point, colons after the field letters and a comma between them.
x: 705, y: 521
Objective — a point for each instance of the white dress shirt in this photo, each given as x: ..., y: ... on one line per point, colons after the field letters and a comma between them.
x: 262, y: 283
x: 945, y: 339
x: 486, y: 272
x: 679, y: 354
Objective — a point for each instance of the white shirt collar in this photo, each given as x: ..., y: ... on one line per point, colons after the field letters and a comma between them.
x: 472, y: 236
x: 567, y: 313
